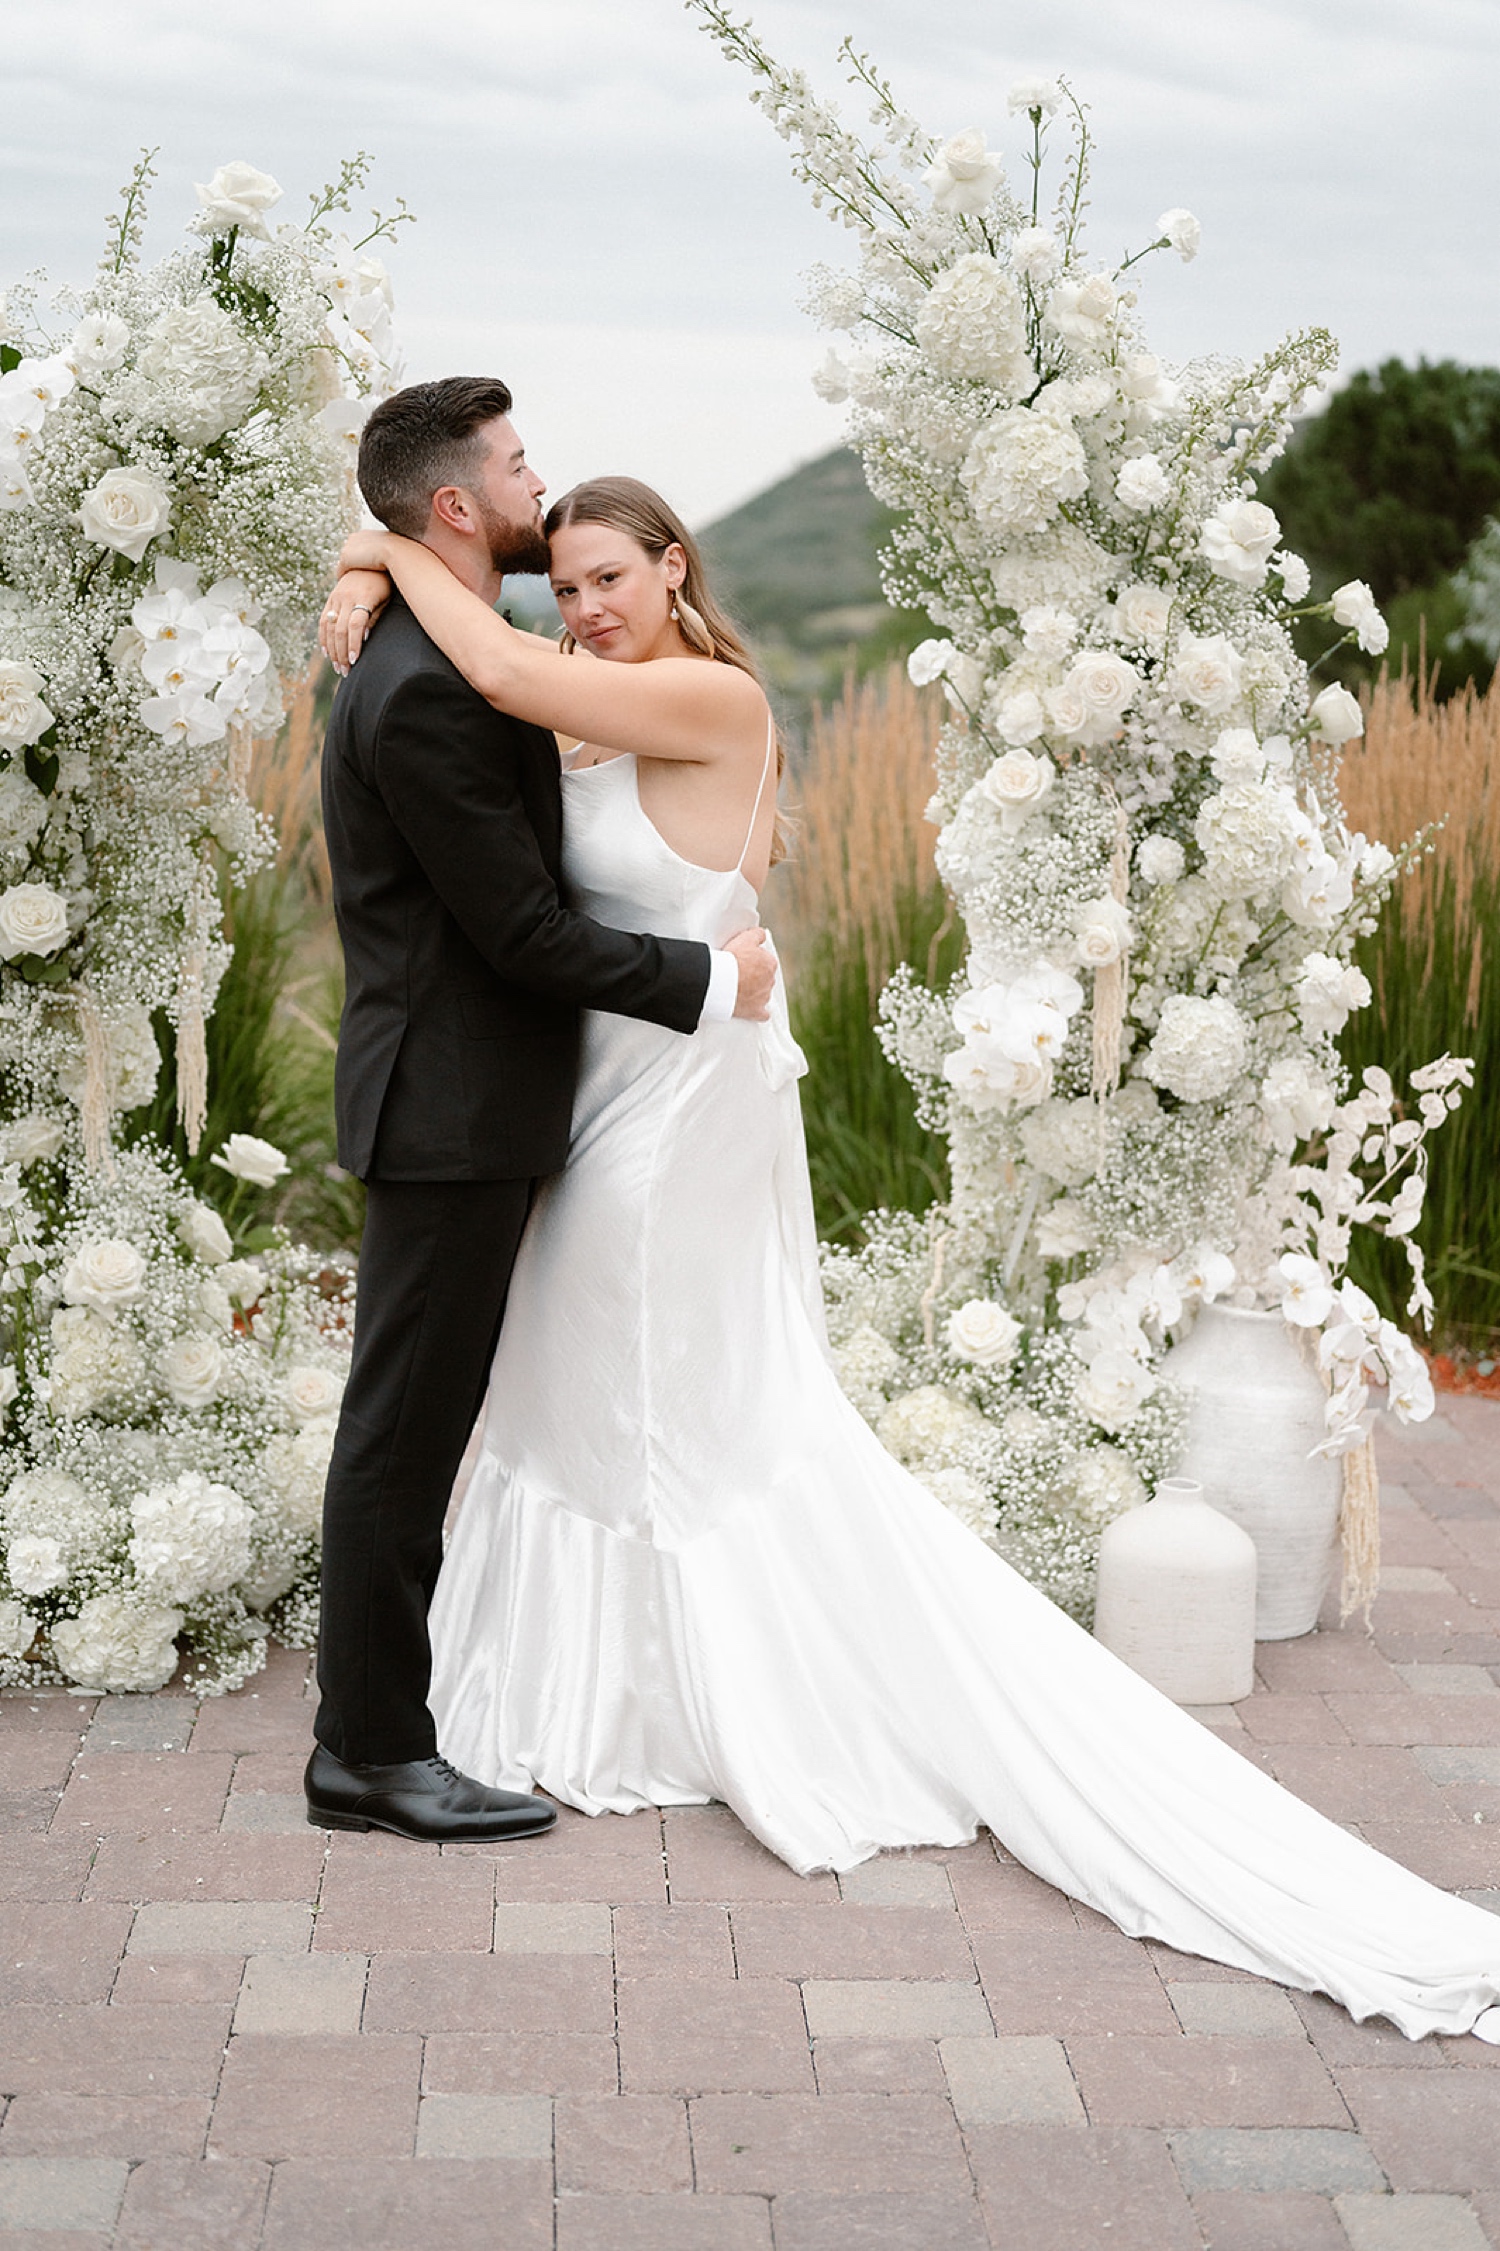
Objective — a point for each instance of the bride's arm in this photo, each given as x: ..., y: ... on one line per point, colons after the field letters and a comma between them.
x: 674, y: 707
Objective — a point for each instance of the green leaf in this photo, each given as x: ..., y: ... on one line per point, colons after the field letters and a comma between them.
x: 41, y: 766
x: 121, y: 568
x: 38, y: 970
x: 261, y: 1239
x: 9, y: 358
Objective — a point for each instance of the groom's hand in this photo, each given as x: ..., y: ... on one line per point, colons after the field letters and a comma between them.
x: 757, y: 963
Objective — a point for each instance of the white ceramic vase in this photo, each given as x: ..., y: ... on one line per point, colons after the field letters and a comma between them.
x: 1176, y: 1596
x: 1256, y: 1414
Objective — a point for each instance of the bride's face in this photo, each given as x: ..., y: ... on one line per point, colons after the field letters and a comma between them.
x: 615, y: 599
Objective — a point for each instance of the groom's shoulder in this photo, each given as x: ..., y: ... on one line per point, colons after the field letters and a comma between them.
x: 398, y: 650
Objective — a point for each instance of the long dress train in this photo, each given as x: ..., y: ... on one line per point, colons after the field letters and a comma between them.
x: 685, y: 1569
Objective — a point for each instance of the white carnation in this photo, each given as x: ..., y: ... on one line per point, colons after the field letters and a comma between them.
x: 1048, y: 630
x: 1354, y: 606
x: 1083, y: 312
x: 1297, y: 1101
x: 1182, y: 231
x: 1160, y: 859
x: 17, y: 1628
x: 118, y: 1643
x: 1034, y: 253
x: 238, y: 197
x: 965, y: 176
x: 30, y: 1140
x: 35, y: 1564
x: 1142, y: 483
x: 1064, y: 1230
x: 99, y: 344
x: 928, y: 662
x: 1296, y: 578
x: 1019, y: 717
x: 1033, y: 96
x: 1327, y: 992
x: 1199, y: 1049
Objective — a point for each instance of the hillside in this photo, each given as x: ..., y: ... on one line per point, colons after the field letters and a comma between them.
x: 797, y: 566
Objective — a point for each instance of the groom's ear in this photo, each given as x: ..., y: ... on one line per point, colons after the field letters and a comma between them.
x: 452, y: 507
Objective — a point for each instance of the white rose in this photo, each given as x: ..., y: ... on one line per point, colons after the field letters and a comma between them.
x: 1296, y: 578
x: 1104, y: 684
x: 1034, y: 253
x: 1335, y: 717
x: 1083, y: 312
x: 1102, y: 931
x: 312, y: 1391
x: 984, y: 1333
x: 965, y: 176
x: 236, y: 196
x: 1160, y: 859
x: 1182, y: 231
x: 1033, y: 94
x: 23, y: 715
x: 1237, y: 541
x: 1142, y: 483
x: 246, y: 1158
x: 205, y: 1234
x: 1354, y: 606
x: 1019, y: 718
x: 1327, y: 991
x: 104, y: 1274
x: 1114, y: 1387
x: 1207, y: 670
x: 99, y: 344
x: 125, y: 511
x: 1064, y: 1230
x: 30, y: 1140
x: 1048, y: 631
x: 1143, y: 613
x: 1018, y: 784
x: 33, y: 920
x: 193, y: 1369
x: 35, y: 1564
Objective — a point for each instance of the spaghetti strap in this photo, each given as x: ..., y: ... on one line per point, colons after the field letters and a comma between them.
x: 759, y: 794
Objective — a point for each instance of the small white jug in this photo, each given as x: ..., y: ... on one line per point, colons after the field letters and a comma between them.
x: 1176, y: 1597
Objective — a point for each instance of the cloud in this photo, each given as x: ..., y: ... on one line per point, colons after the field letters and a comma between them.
x: 604, y: 219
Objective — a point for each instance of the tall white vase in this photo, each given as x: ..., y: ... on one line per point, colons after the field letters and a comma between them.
x: 1176, y: 1596
x: 1256, y: 1414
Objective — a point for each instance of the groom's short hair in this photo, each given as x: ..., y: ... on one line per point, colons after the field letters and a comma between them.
x: 423, y: 438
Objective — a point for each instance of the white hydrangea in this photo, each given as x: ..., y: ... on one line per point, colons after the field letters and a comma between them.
x: 964, y: 1497
x: 1098, y: 1485
x: 1061, y: 1140
x: 118, y: 1643
x: 199, y: 373
x: 1247, y: 837
x: 94, y: 1365
x: 868, y: 1364
x: 1020, y: 469
x: 972, y: 323
x: 297, y: 1470
x: 1200, y: 1047
x: 190, y: 1538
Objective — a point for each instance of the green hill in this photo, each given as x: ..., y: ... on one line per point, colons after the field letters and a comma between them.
x: 797, y: 565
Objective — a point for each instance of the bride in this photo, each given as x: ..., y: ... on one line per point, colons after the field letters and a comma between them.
x: 683, y: 1567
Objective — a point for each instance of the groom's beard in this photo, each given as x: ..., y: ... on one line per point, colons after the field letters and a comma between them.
x: 516, y: 547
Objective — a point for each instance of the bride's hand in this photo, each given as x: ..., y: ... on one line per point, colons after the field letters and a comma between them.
x: 351, y: 609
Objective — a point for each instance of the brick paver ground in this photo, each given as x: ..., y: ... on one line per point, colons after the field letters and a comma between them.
x: 225, y: 2031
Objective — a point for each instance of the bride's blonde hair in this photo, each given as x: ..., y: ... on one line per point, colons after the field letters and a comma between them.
x: 625, y: 505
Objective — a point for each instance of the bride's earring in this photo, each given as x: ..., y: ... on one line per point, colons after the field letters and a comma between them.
x: 691, y: 624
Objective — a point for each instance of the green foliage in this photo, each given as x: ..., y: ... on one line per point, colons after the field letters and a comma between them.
x: 865, y: 1150
x: 1392, y: 482
x: 270, y: 1072
x: 799, y: 567
x: 1432, y: 996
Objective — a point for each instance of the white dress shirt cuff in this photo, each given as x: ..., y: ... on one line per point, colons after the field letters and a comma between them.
x: 723, y: 988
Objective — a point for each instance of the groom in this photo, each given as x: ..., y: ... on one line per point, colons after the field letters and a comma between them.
x: 466, y: 972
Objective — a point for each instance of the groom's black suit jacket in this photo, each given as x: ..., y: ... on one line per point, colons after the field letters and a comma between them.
x: 465, y: 970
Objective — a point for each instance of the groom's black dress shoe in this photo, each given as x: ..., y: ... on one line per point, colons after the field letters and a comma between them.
x: 425, y: 1799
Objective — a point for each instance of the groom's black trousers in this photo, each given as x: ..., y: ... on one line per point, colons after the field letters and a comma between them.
x: 434, y: 1269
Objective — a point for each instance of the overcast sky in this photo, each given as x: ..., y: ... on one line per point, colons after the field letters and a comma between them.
x: 605, y: 221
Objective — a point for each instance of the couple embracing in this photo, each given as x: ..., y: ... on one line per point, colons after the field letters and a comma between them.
x: 681, y: 1566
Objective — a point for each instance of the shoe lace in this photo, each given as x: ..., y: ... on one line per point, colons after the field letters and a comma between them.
x: 446, y: 1769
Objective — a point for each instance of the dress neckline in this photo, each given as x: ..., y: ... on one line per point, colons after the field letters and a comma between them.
x: 631, y: 758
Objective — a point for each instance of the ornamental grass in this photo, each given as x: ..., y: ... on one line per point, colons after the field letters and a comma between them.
x: 1432, y: 965
x: 859, y: 895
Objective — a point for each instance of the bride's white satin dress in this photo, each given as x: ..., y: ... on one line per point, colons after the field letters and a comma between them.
x: 685, y: 1569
